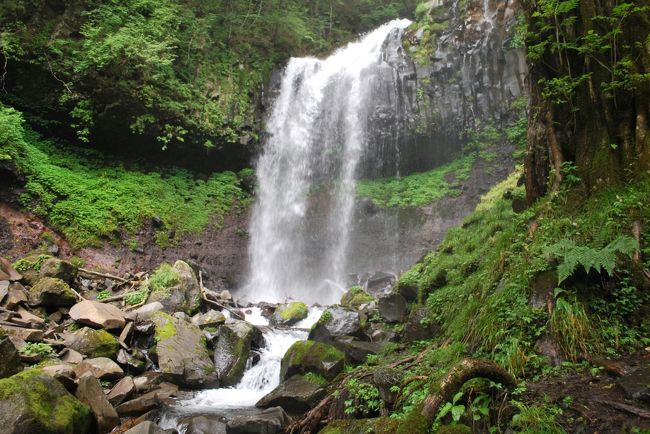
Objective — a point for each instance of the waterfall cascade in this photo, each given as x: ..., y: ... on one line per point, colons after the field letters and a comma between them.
x: 317, y: 137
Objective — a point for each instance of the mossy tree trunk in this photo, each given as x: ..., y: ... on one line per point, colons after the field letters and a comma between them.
x: 589, y: 63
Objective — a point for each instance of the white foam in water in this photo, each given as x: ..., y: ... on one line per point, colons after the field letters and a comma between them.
x: 254, y: 316
x: 262, y: 378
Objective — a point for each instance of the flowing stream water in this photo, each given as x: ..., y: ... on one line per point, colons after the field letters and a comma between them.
x: 317, y: 135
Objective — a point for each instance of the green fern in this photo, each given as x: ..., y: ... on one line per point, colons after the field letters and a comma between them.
x: 590, y: 258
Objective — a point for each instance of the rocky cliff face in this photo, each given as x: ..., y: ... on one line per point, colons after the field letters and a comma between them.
x: 457, y: 68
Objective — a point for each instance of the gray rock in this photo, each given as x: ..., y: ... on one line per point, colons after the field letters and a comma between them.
x: 16, y: 296
x: 145, y: 312
x: 148, y: 401
x: 290, y: 313
x: 64, y: 270
x: 311, y: 356
x: 29, y: 391
x: 64, y: 373
x: 121, y: 391
x: 203, y: 425
x: 636, y: 384
x: 10, y: 359
x: 146, y: 427
x: 92, y: 343
x: 182, y: 354
x: 393, y: 308
x: 95, y: 314
x: 102, y: 368
x: 90, y: 392
x: 53, y: 292
x: 182, y: 297
x: 269, y: 421
x: 418, y: 327
x: 357, y: 351
x: 232, y: 349
x: 334, y: 322
x: 7, y: 271
x: 211, y: 318
x: 295, y: 395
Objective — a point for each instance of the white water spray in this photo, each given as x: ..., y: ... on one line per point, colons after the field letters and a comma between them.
x: 317, y: 134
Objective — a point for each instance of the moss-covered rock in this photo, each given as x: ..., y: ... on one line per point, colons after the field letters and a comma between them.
x: 50, y: 291
x: 92, y: 343
x: 311, y: 356
x: 182, y: 353
x: 289, y: 314
x: 30, y: 267
x: 9, y: 358
x: 232, y: 349
x: 31, y: 402
x: 355, y: 297
x: 176, y: 287
x: 55, y: 267
x: 295, y: 395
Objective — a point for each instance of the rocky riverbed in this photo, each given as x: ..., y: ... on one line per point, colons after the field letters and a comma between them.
x: 84, y: 351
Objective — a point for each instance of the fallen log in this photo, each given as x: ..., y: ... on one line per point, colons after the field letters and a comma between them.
x: 104, y: 275
x: 462, y: 372
x: 640, y: 412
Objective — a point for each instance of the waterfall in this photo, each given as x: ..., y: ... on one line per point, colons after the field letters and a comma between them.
x: 308, y: 168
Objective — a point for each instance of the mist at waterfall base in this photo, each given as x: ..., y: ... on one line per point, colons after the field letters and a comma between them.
x: 317, y: 137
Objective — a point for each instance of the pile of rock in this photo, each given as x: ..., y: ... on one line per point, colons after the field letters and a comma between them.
x: 106, y: 349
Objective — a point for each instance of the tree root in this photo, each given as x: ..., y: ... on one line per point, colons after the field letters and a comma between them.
x: 462, y: 372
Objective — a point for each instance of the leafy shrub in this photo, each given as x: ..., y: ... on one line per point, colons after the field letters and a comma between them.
x: 39, y: 349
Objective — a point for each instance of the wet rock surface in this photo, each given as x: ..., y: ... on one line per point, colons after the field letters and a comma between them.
x: 295, y: 395
x: 232, y: 349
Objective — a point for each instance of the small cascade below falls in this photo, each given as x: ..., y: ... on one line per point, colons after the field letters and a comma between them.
x: 317, y: 138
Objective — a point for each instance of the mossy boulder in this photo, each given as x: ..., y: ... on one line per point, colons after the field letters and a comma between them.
x: 176, y: 288
x: 295, y: 395
x: 52, y: 292
x: 31, y: 402
x: 55, y: 267
x: 290, y: 313
x: 336, y: 321
x: 182, y: 352
x: 232, y: 349
x: 30, y: 267
x: 311, y: 356
x: 92, y: 343
x: 355, y: 297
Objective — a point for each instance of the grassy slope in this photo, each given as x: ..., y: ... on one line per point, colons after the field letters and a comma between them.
x: 91, y: 200
x: 477, y: 286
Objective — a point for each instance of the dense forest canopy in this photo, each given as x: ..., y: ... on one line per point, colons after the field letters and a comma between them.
x: 164, y: 73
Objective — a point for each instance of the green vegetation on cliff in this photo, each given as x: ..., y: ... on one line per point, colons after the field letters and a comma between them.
x: 91, y: 200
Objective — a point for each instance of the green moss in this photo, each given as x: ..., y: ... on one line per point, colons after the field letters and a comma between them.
x: 308, y: 356
x: 33, y: 262
x: 355, y: 297
x: 52, y: 408
x: 163, y: 278
x: 294, y: 311
x: 137, y: 297
x: 165, y: 328
x: 316, y: 378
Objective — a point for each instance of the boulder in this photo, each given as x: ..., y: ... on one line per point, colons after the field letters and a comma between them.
x: 393, y: 308
x: 380, y: 283
x: 9, y: 358
x: 203, y: 425
x: 121, y: 391
x: 334, y: 322
x: 53, y: 292
x: 92, y: 343
x: 296, y: 395
x: 95, y: 314
x: 357, y: 351
x: 269, y: 421
x: 418, y: 327
x: 179, y: 291
x: 355, y: 297
x: 71, y: 356
x: 147, y: 381
x: 182, y: 353
x: 144, y: 313
x: 90, y: 392
x: 636, y: 384
x: 41, y: 405
x: 148, y: 401
x: 290, y: 313
x: 7, y: 271
x: 232, y: 349
x: 385, y: 379
x: 17, y: 295
x: 311, y: 356
x: 146, y: 427
x: 55, y: 267
x: 32, y: 335
x: 63, y: 373
x: 212, y: 318
x: 134, y: 362
x: 102, y: 368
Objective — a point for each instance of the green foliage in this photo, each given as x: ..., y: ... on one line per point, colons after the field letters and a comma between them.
x: 456, y: 408
x: 90, y: 201
x: 103, y: 295
x: 136, y: 297
x: 33, y: 262
x: 535, y: 419
x: 364, y: 398
x: 417, y: 189
x: 163, y: 278
x: 590, y: 258
x: 316, y: 378
x: 571, y: 327
x: 40, y: 349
